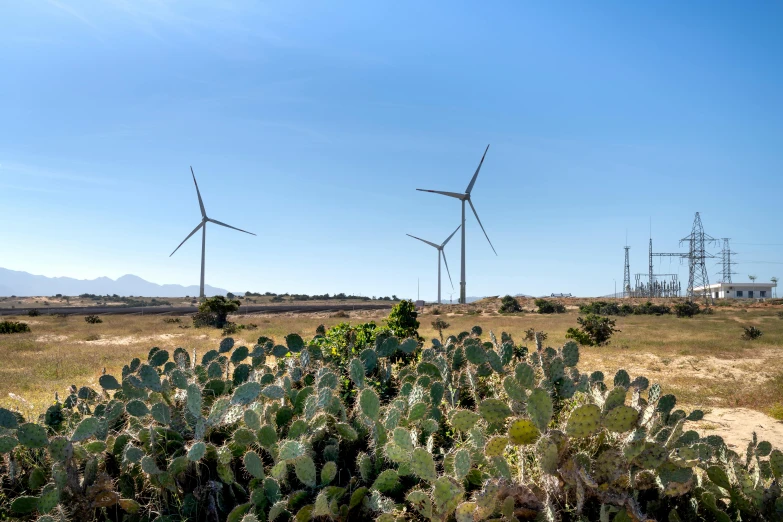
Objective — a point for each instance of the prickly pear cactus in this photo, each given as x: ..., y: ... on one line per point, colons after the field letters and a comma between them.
x: 356, y: 424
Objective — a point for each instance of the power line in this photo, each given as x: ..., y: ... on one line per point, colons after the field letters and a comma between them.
x: 760, y: 244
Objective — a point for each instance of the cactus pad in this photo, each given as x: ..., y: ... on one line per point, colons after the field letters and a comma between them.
x: 387, y: 481
x: 514, y: 390
x: 609, y: 466
x: 462, y: 463
x: 615, y: 398
x: 776, y: 464
x: 539, y: 407
x: 305, y: 470
x: 8, y: 443
x: 464, y: 512
x: 621, y: 419
x: 422, y: 465
x: 291, y: 449
x: 370, y: 403
x: 523, y: 431
x: 584, y: 421
x: 421, y: 502
x: 570, y: 353
x: 621, y: 378
x: 109, y: 382
x: 651, y: 456
x: 194, y: 400
x: 475, y: 353
x: 547, y: 455
x: 494, y: 411
x: 86, y: 428
x: 32, y: 435
x: 496, y: 446
x: 447, y: 495
x: 149, y: 377
x: 267, y: 437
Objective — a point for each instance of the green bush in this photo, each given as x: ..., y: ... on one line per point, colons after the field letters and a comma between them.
x: 213, y: 312
x: 612, y: 308
x: 9, y: 327
x: 402, y: 320
x: 549, y: 307
x: 472, y: 430
x: 93, y: 319
x: 751, y: 332
x: 33, y: 312
x: 509, y: 305
x: 594, y: 330
x: 686, y: 309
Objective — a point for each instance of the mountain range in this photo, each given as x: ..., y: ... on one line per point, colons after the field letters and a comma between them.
x: 13, y: 282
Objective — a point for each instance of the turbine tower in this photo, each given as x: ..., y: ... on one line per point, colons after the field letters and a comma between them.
x: 440, y: 253
x: 463, y: 198
x: 203, y: 227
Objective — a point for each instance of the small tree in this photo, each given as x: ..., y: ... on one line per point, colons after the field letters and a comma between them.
x: 440, y: 325
x: 594, y: 330
x: 752, y: 278
x: 93, y: 319
x: 214, y: 312
x: 402, y: 319
x: 33, y: 312
x: 509, y: 305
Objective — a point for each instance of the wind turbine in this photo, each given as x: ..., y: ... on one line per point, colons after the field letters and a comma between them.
x: 440, y: 253
x: 203, y: 227
x: 463, y: 198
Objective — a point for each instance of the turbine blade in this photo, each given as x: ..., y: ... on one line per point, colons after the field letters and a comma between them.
x: 470, y: 187
x: 183, y: 241
x: 200, y: 203
x: 482, y: 226
x: 215, y: 221
x: 447, y: 268
x: 449, y: 238
x: 423, y: 240
x: 450, y: 194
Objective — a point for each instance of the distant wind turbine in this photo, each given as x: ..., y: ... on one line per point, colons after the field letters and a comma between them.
x: 203, y: 227
x: 441, y: 252
x: 463, y: 198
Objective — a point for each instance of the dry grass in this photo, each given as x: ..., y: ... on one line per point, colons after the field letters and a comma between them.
x: 702, y: 360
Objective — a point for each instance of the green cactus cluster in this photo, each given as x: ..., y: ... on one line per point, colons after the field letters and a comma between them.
x: 465, y: 430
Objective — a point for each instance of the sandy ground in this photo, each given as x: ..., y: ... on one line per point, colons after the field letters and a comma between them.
x: 736, y: 426
x: 130, y: 339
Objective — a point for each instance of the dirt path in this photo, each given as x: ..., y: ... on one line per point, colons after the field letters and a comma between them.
x: 736, y: 426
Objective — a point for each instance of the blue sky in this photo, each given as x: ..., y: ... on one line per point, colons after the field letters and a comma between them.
x: 312, y: 124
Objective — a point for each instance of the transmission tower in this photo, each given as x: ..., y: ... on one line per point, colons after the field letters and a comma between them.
x: 697, y: 254
x: 726, y: 261
x: 627, y: 274
x: 774, y: 280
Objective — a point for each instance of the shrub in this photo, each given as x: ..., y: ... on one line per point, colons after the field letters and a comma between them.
x: 509, y: 305
x: 611, y: 308
x: 9, y: 327
x: 686, y: 309
x: 172, y: 320
x: 530, y: 335
x: 33, y: 312
x: 213, y: 312
x: 440, y: 325
x: 549, y: 307
x: 780, y: 314
x: 593, y: 330
x: 320, y: 330
x: 93, y: 319
x: 751, y: 332
x: 402, y: 320
x: 464, y: 432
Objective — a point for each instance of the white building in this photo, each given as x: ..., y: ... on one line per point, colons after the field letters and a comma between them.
x: 738, y: 290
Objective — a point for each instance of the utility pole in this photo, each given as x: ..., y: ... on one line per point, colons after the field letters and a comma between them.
x: 774, y: 280
x: 627, y: 271
x: 726, y: 261
x: 697, y: 254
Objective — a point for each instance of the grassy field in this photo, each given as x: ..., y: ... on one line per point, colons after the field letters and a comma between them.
x: 702, y: 360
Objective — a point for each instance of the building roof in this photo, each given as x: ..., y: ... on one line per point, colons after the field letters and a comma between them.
x: 739, y: 285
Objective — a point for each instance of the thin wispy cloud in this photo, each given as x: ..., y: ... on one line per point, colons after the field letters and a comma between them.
x: 17, y: 171
x: 76, y: 14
